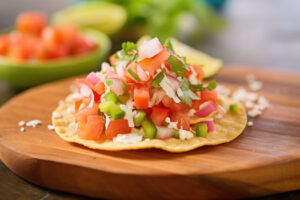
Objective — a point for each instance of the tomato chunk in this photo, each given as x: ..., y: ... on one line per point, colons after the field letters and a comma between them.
x: 82, y: 115
x: 116, y: 127
x: 182, y: 118
x: 152, y: 64
x: 31, y: 22
x: 159, y: 115
x: 91, y: 130
x: 113, y: 60
x: 169, y: 103
x: 207, y: 95
x: 141, y: 96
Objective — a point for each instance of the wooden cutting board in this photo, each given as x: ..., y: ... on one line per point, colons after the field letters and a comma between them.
x: 265, y: 159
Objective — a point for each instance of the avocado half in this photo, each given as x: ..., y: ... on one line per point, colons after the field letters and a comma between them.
x: 25, y: 75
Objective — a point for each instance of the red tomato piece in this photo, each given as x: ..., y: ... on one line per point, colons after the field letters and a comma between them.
x: 200, y: 73
x: 31, y: 22
x: 152, y: 64
x: 141, y: 96
x: 91, y: 130
x: 207, y: 95
x: 182, y: 118
x: 116, y: 127
x: 4, y: 44
x: 169, y: 103
x: 113, y: 60
x: 19, y: 52
x: 81, y: 116
x: 83, y: 45
x: 159, y: 115
x: 52, y: 35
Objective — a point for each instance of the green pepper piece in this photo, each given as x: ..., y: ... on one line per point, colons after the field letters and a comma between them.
x: 234, y: 107
x: 139, y: 117
x: 149, y: 129
x: 201, y: 130
x: 105, y: 106
x: 176, y: 134
x: 110, y: 96
x: 116, y: 112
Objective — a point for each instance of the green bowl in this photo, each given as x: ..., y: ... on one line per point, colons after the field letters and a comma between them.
x: 25, y: 75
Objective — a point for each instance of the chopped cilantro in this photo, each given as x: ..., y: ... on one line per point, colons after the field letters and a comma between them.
x: 168, y: 45
x: 157, y: 79
x: 109, y: 82
x: 129, y: 47
x: 115, y: 56
x: 125, y: 86
x: 211, y: 86
x: 134, y: 75
x: 177, y: 66
x: 188, y: 95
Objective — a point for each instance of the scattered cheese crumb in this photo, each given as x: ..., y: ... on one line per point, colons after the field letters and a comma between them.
x: 21, y: 123
x: 50, y: 127
x: 255, y: 85
x: 223, y: 90
x: 22, y: 129
x: 185, y: 135
x: 33, y: 123
x: 56, y: 114
x: 129, y: 138
x: 250, y: 123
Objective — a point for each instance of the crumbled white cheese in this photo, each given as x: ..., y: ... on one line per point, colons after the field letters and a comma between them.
x: 56, y: 114
x: 223, y: 90
x: 254, y: 112
x: 71, y: 109
x: 255, y: 85
x: 249, y: 104
x: 165, y: 85
x: 173, y: 125
x: 250, y: 123
x: 21, y: 123
x: 128, y: 138
x: 129, y: 114
x: 107, y: 120
x: 22, y: 129
x: 185, y: 135
x: 168, y: 120
x: 50, y: 127
x: 33, y: 123
x: 73, y: 126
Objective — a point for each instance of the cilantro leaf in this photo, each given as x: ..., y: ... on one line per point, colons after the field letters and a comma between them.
x: 177, y: 66
x: 188, y: 95
x: 157, y: 79
x: 168, y: 45
x: 211, y: 86
x: 128, y: 47
x: 109, y: 82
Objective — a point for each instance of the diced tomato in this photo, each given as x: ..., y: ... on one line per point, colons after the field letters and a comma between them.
x: 77, y: 102
x: 152, y: 64
x: 182, y: 118
x: 82, y: 45
x: 31, y: 22
x: 4, y: 44
x: 99, y: 88
x: 141, y: 96
x: 200, y: 73
x: 70, y: 34
x: 113, y: 60
x: 207, y: 95
x: 91, y: 130
x: 169, y: 103
x: 19, y: 52
x: 52, y: 35
x: 116, y: 127
x: 81, y: 116
x: 159, y: 115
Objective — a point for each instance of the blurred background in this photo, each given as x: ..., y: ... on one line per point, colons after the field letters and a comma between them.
x: 244, y: 33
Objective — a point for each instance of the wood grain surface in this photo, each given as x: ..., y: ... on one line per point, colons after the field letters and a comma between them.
x: 265, y: 159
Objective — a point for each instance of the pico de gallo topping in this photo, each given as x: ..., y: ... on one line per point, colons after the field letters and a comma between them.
x: 33, y: 39
x: 148, y: 91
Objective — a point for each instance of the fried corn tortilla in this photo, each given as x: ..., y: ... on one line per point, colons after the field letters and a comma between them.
x: 227, y: 128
